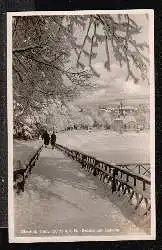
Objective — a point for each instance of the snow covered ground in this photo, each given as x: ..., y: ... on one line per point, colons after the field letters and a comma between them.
x: 23, y: 151
x: 62, y: 199
x: 59, y: 196
x: 113, y: 147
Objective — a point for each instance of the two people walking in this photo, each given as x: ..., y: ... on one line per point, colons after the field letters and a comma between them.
x: 47, y: 139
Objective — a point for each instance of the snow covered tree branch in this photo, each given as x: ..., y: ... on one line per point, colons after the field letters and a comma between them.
x: 120, y: 33
x: 42, y: 49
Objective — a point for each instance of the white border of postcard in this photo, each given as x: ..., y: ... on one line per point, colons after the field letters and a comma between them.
x: 14, y: 239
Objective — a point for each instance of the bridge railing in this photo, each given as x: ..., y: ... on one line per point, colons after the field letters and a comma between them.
x: 21, y: 174
x: 140, y: 168
x: 135, y: 186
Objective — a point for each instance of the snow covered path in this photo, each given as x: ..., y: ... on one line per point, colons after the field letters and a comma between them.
x: 63, y: 199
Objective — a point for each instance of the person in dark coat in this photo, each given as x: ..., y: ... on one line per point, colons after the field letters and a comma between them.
x: 53, y: 139
x: 46, y: 138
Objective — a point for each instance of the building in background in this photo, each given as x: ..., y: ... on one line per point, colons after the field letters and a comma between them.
x: 143, y: 121
x: 130, y: 122
x: 126, y: 118
x: 117, y: 124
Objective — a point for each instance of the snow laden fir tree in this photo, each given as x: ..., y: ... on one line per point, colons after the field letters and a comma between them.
x: 53, y: 64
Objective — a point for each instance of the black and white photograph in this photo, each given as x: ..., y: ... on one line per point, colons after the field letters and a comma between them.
x: 80, y: 96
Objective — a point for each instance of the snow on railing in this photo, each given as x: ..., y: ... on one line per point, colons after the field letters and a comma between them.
x: 133, y: 185
x: 140, y: 168
x: 21, y: 174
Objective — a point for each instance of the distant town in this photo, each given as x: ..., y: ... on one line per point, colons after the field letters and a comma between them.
x: 115, y: 117
x: 125, y: 117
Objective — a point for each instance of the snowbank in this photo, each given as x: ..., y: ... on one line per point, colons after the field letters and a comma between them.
x: 23, y: 151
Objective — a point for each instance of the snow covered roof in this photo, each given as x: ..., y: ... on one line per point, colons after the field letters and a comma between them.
x: 129, y: 118
x: 142, y: 117
x: 116, y: 119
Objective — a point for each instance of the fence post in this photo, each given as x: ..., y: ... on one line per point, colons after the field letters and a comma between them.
x: 110, y: 172
x: 115, y: 171
x: 144, y: 185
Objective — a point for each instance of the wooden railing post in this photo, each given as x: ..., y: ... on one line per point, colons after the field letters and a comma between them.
x: 115, y: 174
x: 21, y: 174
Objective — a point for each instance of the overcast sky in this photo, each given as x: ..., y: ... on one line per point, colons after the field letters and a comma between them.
x: 112, y: 85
